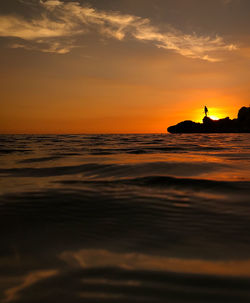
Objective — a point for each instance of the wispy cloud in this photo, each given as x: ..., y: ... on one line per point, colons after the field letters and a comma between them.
x: 47, y: 46
x: 60, y: 20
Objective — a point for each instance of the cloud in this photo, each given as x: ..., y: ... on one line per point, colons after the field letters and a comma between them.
x: 11, y: 26
x: 191, y: 46
x: 51, y: 46
x: 60, y: 20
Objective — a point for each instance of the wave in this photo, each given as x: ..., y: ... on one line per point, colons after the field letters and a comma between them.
x: 242, y: 187
x: 118, y: 170
x: 141, y: 219
x: 40, y: 159
x: 105, y: 285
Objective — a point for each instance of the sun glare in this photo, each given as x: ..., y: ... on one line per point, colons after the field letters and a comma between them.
x: 213, y: 117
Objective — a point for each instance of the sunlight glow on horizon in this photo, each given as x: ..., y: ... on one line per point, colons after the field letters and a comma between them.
x: 213, y: 117
x: 215, y: 113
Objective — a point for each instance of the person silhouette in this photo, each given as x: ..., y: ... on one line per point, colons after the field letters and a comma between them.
x: 205, y: 111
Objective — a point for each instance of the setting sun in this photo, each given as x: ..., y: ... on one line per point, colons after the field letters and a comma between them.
x: 213, y: 117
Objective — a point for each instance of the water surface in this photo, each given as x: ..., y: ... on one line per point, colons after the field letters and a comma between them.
x: 125, y: 218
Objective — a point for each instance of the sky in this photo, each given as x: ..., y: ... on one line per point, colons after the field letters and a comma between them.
x: 121, y: 66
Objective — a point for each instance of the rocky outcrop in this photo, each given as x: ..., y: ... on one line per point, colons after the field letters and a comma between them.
x: 226, y: 125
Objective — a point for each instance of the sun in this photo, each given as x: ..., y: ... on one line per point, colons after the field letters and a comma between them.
x: 213, y: 117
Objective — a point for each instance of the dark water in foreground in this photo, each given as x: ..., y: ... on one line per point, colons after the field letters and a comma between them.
x: 125, y: 218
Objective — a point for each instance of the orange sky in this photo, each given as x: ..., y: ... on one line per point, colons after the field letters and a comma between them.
x: 120, y: 68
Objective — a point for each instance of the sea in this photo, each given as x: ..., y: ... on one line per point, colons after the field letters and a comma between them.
x: 125, y: 218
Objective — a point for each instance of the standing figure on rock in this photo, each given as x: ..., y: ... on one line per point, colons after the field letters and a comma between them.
x: 205, y: 111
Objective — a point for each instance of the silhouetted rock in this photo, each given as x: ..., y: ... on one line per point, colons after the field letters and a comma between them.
x: 226, y: 125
